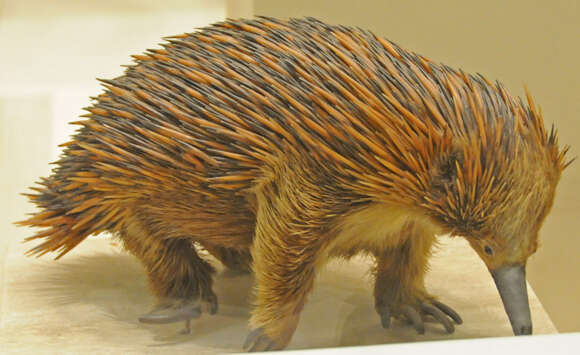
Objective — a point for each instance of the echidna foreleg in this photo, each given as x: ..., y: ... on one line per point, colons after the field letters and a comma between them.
x: 286, y: 247
x: 178, y: 277
x: 399, y: 286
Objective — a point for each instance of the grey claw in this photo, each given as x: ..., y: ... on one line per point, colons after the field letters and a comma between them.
x: 187, y: 329
x: 440, y: 316
x: 415, y: 318
x: 167, y: 314
x: 449, y: 311
x: 385, y: 314
x: 211, y: 306
x: 258, y: 341
x: 250, y: 338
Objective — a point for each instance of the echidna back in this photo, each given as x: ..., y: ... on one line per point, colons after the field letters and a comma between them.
x: 208, y: 110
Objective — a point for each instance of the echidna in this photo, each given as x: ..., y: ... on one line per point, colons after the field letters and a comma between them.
x: 278, y: 144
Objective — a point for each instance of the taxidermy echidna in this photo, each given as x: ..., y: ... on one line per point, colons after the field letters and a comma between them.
x: 276, y: 145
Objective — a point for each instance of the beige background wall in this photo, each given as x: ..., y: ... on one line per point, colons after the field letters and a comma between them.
x: 51, y: 51
x: 50, y: 54
x: 515, y: 41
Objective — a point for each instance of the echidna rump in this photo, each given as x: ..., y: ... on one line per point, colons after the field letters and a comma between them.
x: 279, y: 144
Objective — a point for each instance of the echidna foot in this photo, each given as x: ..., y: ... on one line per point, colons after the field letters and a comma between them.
x: 178, y: 310
x: 257, y: 340
x: 416, y: 314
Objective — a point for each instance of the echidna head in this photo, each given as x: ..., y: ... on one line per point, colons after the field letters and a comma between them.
x: 497, y: 199
x: 495, y: 196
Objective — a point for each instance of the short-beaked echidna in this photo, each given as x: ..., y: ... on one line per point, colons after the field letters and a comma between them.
x: 276, y: 145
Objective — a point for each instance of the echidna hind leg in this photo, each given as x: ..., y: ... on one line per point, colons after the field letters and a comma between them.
x: 178, y: 277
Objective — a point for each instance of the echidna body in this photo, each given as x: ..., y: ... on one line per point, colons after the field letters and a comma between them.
x: 279, y: 144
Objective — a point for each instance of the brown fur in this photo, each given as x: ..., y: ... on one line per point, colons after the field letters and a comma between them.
x: 298, y: 141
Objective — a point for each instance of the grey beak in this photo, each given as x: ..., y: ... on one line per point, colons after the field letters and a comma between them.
x: 511, y: 284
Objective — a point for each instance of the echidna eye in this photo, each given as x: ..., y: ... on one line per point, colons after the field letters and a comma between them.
x: 488, y: 250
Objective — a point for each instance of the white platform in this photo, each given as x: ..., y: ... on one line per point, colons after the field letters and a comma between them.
x: 89, y: 303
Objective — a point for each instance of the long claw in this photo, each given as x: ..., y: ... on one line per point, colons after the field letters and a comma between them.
x: 440, y: 316
x: 163, y: 315
x: 385, y: 314
x: 250, y: 338
x: 211, y: 305
x: 449, y: 311
x: 187, y: 329
x: 415, y: 313
x: 258, y: 341
x: 415, y: 318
